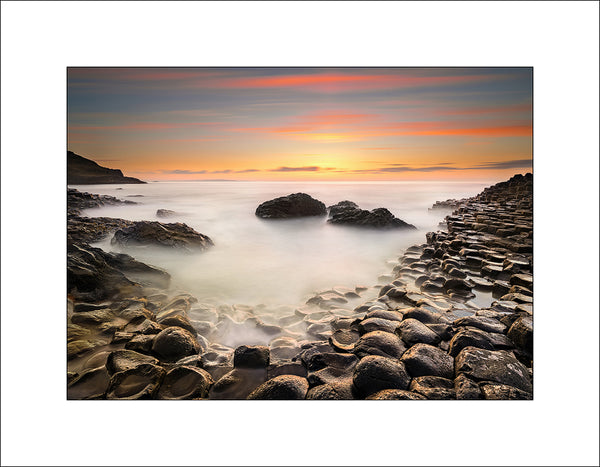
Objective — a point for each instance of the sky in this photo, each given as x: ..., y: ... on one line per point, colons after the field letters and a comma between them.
x: 303, y: 123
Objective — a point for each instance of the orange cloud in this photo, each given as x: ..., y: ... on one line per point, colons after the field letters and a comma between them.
x: 141, y: 126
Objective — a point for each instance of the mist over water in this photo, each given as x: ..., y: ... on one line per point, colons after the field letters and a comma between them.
x: 277, y: 262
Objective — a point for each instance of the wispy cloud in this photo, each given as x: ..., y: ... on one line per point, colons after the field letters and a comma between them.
x: 514, y: 164
x: 312, y: 168
x: 447, y: 166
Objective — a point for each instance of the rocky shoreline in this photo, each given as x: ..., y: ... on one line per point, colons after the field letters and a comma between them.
x: 422, y: 335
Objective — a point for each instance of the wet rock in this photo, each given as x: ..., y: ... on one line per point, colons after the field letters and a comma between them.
x: 521, y: 333
x: 466, y: 389
x: 91, y: 384
x: 433, y: 387
x: 251, y: 357
x: 141, y: 343
x: 519, y: 289
x: 495, y: 366
x: 524, y: 280
x: 379, y: 343
x: 500, y: 288
x: 377, y: 324
x: 176, y: 235
x: 78, y: 347
x: 340, y: 390
x: 284, y: 387
x: 122, y: 360
x: 179, y: 321
x: 165, y: 213
x: 480, y: 322
x: 413, y: 332
x: 427, y: 360
x: 380, y: 218
x: 385, y: 314
x: 517, y: 297
x: 141, y: 382
x: 294, y: 205
x: 426, y: 316
x: 287, y: 368
x: 503, y: 392
x: 395, y: 395
x: 238, y: 383
x: 470, y: 337
x: 192, y: 360
x: 344, y: 340
x: 174, y: 343
x: 185, y: 382
x: 375, y: 373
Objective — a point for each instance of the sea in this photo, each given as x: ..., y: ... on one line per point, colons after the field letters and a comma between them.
x: 277, y: 262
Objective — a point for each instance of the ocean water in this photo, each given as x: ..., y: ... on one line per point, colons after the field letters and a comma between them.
x: 277, y: 262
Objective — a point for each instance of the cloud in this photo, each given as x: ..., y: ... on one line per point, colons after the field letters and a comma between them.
x: 144, y: 126
x: 513, y: 164
x: 312, y: 168
x: 177, y: 171
x: 445, y: 166
x: 226, y: 171
x: 246, y: 171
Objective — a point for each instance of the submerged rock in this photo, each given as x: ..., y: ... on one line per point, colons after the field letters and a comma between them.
x: 294, y: 205
x: 348, y: 213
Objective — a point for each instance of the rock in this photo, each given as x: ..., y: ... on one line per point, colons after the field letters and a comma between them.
x: 287, y: 368
x: 380, y: 343
x: 251, y: 357
x: 284, y: 387
x: 385, y: 314
x: 395, y: 395
x: 91, y: 384
x: 466, y: 389
x: 521, y: 333
x: 344, y: 340
x: 524, y: 280
x: 503, y: 392
x: 165, y: 213
x: 177, y: 235
x: 294, y: 205
x: 141, y: 343
x: 179, y: 321
x: 427, y: 360
x: 377, y: 324
x: 426, y: 316
x: 413, y: 332
x: 174, y: 343
x: 470, y: 337
x: 374, y: 373
x: 380, y: 218
x: 238, y: 383
x: 433, y: 387
x: 82, y: 171
x: 495, y: 366
x: 122, y: 360
x: 185, y: 382
x: 141, y: 382
x: 480, y: 322
x: 318, y: 361
x: 340, y: 390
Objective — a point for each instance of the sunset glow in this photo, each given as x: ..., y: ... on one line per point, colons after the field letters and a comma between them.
x: 303, y: 123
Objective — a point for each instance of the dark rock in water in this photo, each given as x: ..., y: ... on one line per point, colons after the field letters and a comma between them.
x: 427, y: 360
x: 524, y: 280
x: 495, y: 366
x: 380, y: 343
x: 91, y: 384
x: 174, y: 343
x: 377, y: 324
x: 238, y: 383
x: 141, y: 382
x: 426, y: 316
x: 433, y: 387
x: 185, y: 382
x: 294, y: 205
x: 521, y: 333
x: 395, y: 395
x: 340, y: 390
x: 374, y: 373
x: 413, y: 332
x: 251, y: 357
x: 466, y: 388
x: 480, y: 322
x: 122, y: 360
x: 284, y: 387
x: 82, y: 171
x: 77, y: 200
x: 175, y: 235
x: 348, y: 213
x: 503, y: 392
x: 470, y: 337
x: 141, y: 343
x: 179, y: 321
x: 165, y: 213
x: 287, y: 368
x: 331, y: 359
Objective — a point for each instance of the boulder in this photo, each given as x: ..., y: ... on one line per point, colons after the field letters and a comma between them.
x: 238, y: 383
x: 284, y: 387
x: 470, y: 337
x: 480, y: 322
x: 380, y: 343
x: 374, y: 373
x: 503, y: 392
x: 251, y: 357
x: 466, y: 388
x: 339, y: 390
x: 185, y: 382
x: 427, y: 360
x: 521, y: 333
x: 433, y: 387
x: 377, y: 324
x: 495, y: 366
x: 413, y: 332
x: 91, y: 384
x: 177, y: 235
x: 348, y: 213
x: 165, y: 213
x: 344, y: 340
x: 395, y: 395
x: 141, y: 382
x: 174, y: 343
x: 122, y: 360
x: 294, y: 205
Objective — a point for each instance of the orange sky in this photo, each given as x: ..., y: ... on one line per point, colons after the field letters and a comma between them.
x: 303, y: 123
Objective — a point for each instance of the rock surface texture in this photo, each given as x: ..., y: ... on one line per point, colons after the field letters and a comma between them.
x: 294, y: 205
x: 453, y: 320
x: 348, y: 213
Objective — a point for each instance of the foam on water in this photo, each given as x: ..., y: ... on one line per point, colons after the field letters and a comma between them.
x: 282, y: 261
